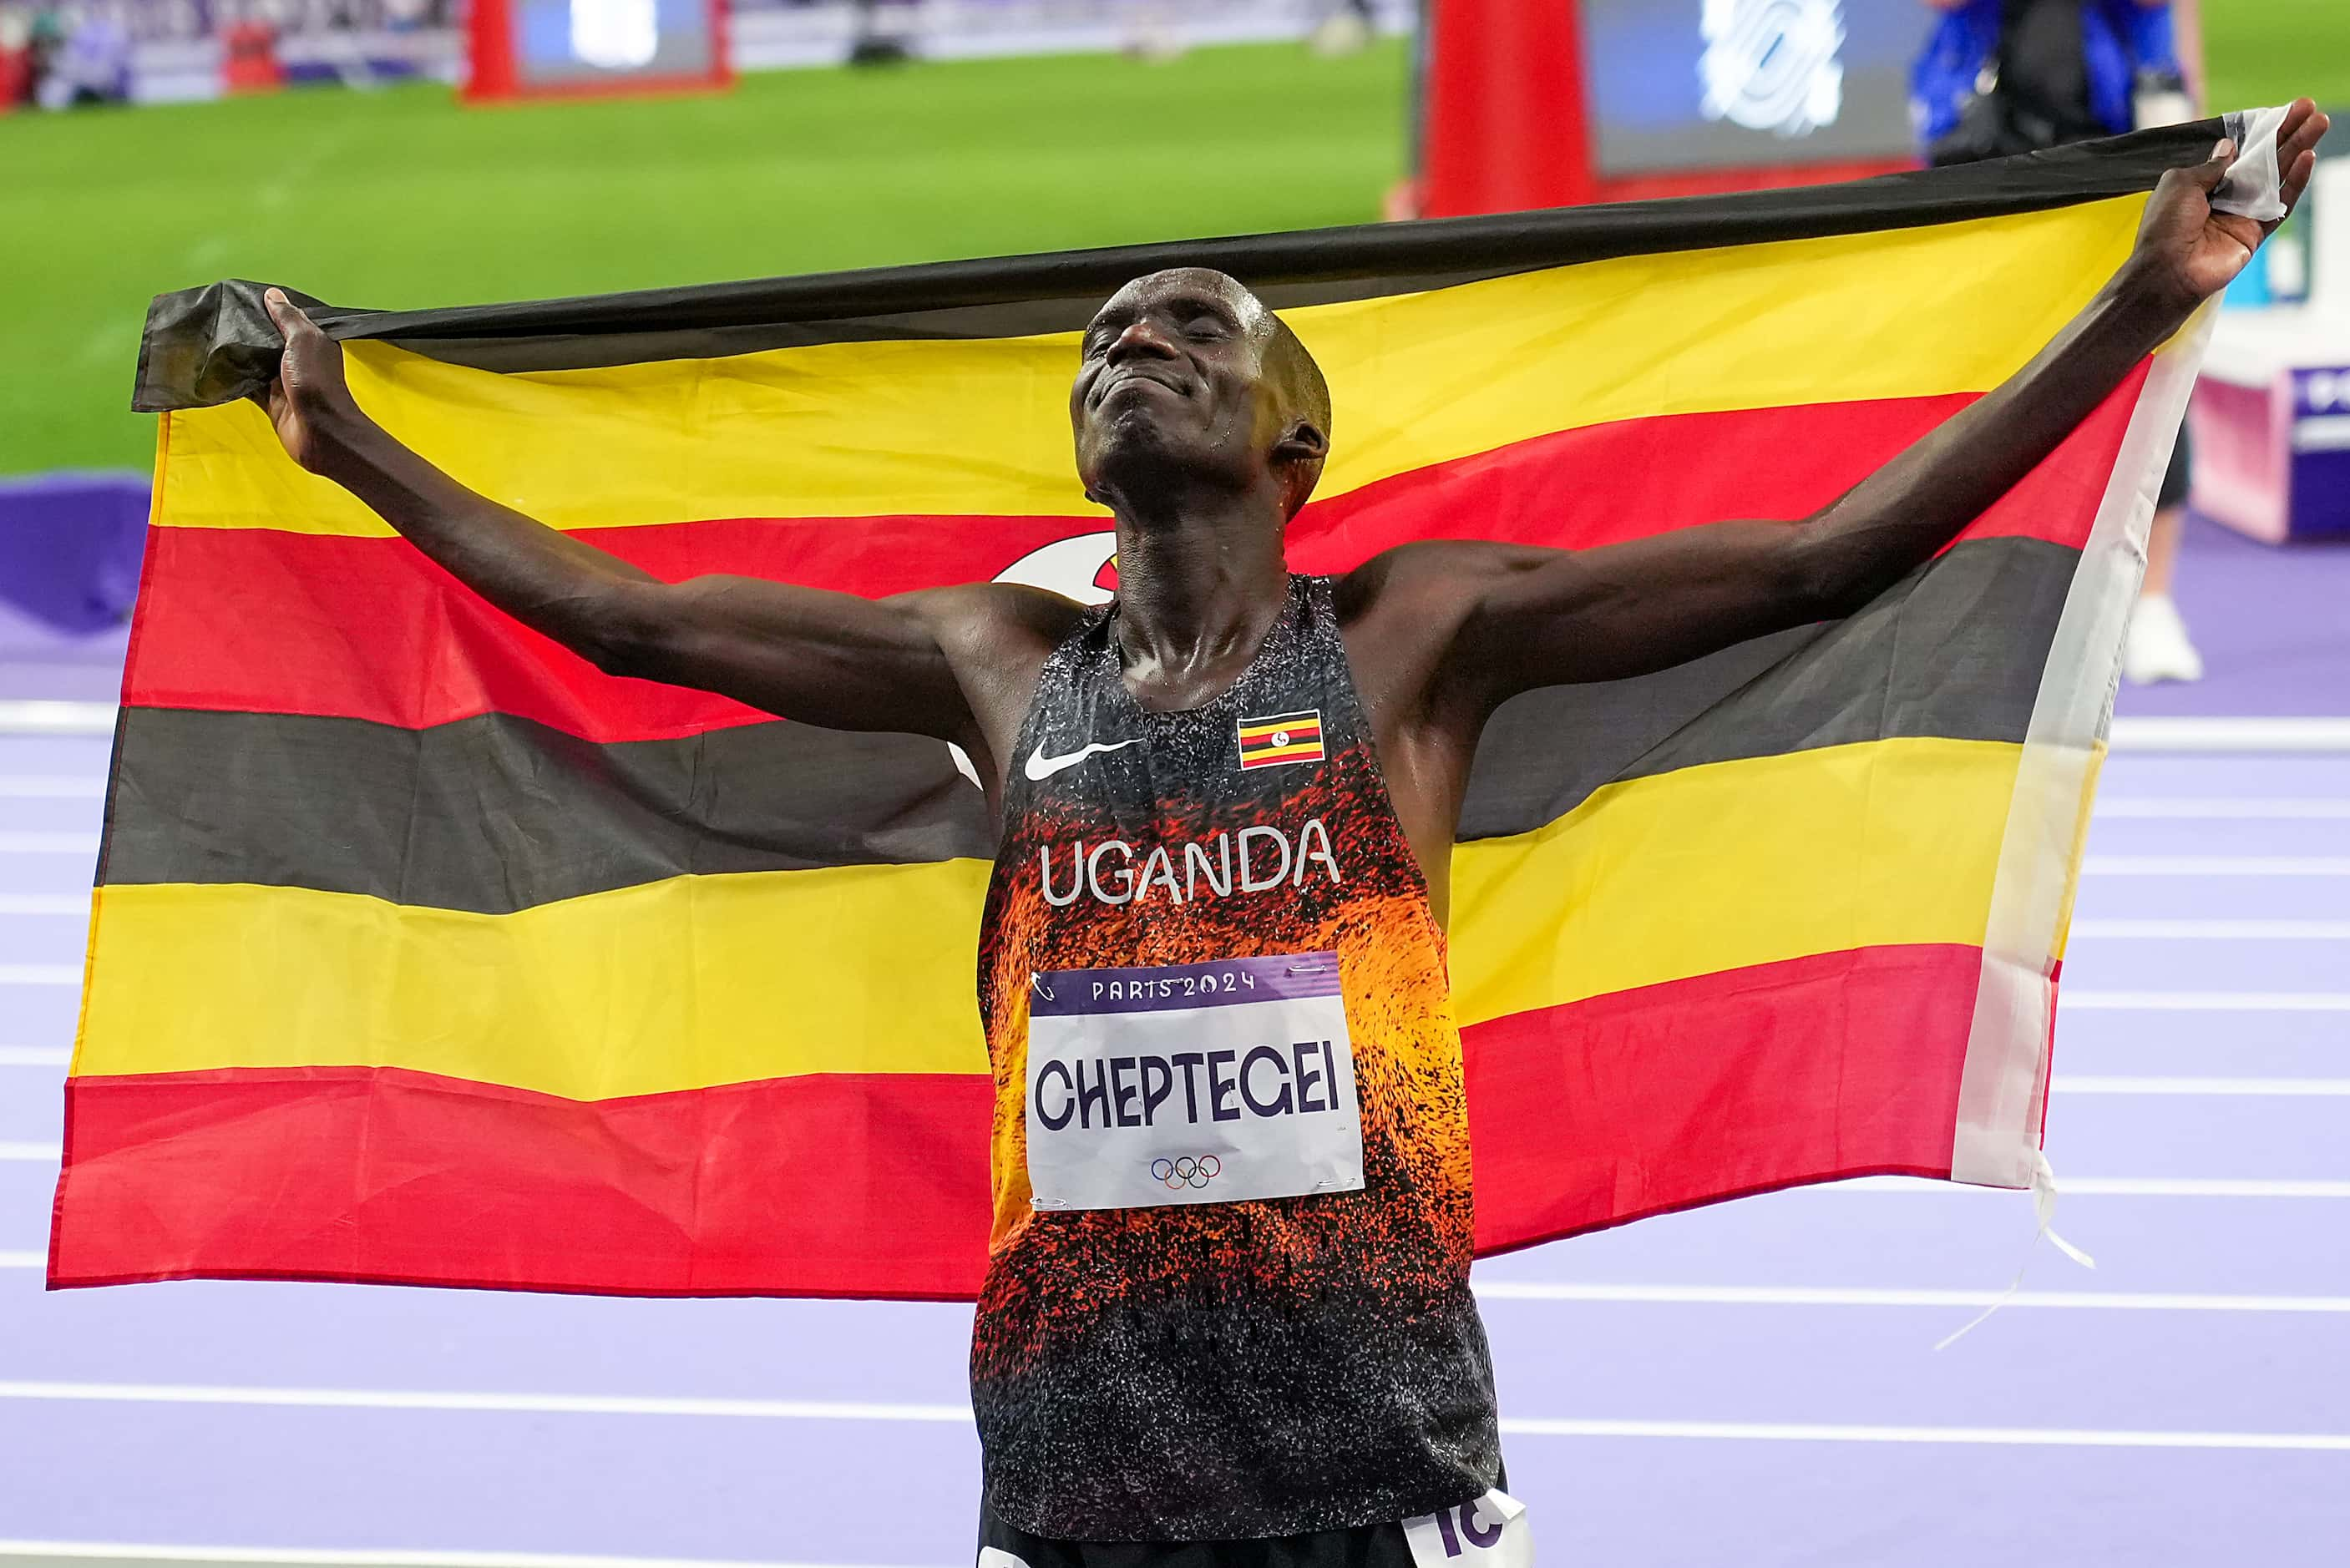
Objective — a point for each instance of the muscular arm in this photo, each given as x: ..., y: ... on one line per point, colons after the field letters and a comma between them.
x: 1547, y: 617
x: 1516, y: 616
x: 831, y: 659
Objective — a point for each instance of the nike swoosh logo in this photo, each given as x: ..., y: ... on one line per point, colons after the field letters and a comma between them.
x: 1040, y: 767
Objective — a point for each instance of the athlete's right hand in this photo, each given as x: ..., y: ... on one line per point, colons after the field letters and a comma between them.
x: 309, y: 401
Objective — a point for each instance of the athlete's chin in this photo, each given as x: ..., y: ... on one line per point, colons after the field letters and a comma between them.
x: 1135, y: 457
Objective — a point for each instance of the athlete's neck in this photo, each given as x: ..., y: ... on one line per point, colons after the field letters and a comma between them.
x: 1195, y: 599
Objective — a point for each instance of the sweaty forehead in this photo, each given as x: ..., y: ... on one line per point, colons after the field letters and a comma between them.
x: 1179, y: 284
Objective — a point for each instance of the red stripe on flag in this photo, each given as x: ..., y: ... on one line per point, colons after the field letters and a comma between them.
x: 1642, y: 1102
x: 1581, y: 489
x: 267, y: 622
x: 1582, y: 1116
x: 259, y: 622
x: 832, y: 1184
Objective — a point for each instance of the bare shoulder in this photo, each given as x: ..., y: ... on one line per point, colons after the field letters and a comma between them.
x: 1403, y: 611
x: 1440, y: 576
x: 1419, y: 596
x: 996, y: 637
x: 995, y: 619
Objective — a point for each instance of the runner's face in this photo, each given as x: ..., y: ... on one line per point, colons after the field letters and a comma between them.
x: 1171, y: 377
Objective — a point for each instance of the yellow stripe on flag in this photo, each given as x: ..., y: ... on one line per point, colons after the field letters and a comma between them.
x: 672, y: 984
x: 1732, y: 864
x: 711, y: 980
x: 944, y: 426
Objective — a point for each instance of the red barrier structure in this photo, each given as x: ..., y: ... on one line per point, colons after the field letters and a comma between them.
x: 1515, y: 111
x: 249, y: 60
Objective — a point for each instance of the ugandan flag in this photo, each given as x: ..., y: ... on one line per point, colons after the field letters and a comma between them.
x: 1283, y: 738
x: 422, y: 951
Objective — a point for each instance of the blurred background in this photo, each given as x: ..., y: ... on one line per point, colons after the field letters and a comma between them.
x: 1754, y: 1383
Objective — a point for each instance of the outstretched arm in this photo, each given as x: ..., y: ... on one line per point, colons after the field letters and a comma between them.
x: 830, y: 658
x: 1528, y: 616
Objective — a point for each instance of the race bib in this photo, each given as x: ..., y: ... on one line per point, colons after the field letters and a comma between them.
x: 1192, y: 1082
x: 1490, y: 1532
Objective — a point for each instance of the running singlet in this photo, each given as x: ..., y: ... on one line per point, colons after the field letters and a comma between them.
x: 1227, y: 1284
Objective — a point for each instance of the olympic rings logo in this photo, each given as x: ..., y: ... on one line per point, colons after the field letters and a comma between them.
x: 1185, y: 1171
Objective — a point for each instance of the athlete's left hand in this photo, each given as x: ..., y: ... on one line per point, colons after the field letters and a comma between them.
x: 2186, y: 252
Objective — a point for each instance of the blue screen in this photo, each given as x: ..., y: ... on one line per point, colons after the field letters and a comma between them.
x: 1683, y: 84
x: 564, y: 42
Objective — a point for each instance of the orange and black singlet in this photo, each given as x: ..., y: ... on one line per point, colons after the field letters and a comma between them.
x: 1228, y: 1285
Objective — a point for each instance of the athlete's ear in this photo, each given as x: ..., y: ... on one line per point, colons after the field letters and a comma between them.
x: 1297, y: 458
x: 1303, y: 441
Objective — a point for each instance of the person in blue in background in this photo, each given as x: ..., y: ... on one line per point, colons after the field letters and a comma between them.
x: 2003, y: 77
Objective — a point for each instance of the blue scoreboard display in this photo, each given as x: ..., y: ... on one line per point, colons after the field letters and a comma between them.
x: 1687, y: 85
x: 539, y: 48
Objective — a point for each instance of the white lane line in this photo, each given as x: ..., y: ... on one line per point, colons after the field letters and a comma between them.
x: 2152, y: 734
x: 471, y: 1400
x: 48, y: 843
x: 2197, y: 1186
x: 57, y: 904
x: 2199, y: 1088
x: 2216, y: 866
x: 35, y: 1055
x: 51, y: 787
x: 129, y: 1552
x: 2017, y: 1436
x: 2227, y: 808
x: 828, y: 1410
x: 20, y: 1149
x: 2105, y: 1187
x: 2206, y: 1000
x: 1803, y: 1295
x: 40, y: 975
x: 49, y: 716
x: 2214, y: 930
x: 2119, y: 1083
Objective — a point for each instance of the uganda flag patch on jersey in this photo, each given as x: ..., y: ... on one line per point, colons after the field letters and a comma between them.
x: 1281, y: 738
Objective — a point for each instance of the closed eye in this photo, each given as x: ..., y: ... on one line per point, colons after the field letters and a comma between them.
x: 1103, y: 332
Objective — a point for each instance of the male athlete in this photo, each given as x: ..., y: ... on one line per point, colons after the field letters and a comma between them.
x: 1213, y: 942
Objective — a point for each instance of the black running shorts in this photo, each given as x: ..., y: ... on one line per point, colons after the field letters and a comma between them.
x: 1362, y: 1546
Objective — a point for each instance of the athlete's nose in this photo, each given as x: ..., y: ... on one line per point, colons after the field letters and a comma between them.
x: 1140, y: 339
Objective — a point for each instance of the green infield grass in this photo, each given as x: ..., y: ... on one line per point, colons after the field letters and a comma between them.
x: 2258, y: 52
x: 400, y: 197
